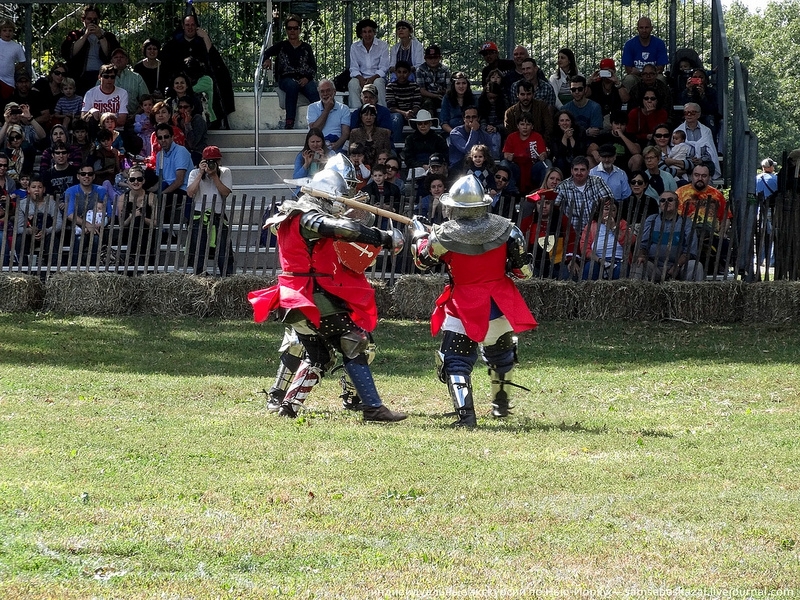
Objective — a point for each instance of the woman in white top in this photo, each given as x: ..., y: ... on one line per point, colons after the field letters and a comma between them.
x: 567, y: 68
x: 407, y: 48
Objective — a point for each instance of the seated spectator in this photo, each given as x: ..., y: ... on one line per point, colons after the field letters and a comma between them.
x: 491, y: 56
x: 50, y: 87
x: 675, y: 166
x: 143, y: 123
x: 194, y: 127
x: 373, y: 139
x: 614, y: 177
x: 151, y: 68
x: 685, y: 61
x: 82, y: 140
x: 629, y: 152
x: 587, y: 113
x: 567, y: 142
x: 68, y: 106
x: 423, y: 141
x: 495, y: 76
x: 479, y: 163
x: 403, y: 100
x: 643, y: 119
x: 38, y: 221
x: 502, y: 191
x: 430, y: 206
x: 369, y: 95
x: 128, y: 79
x: 180, y: 90
x: 491, y: 112
x: 81, y: 199
x: 393, y: 172
x: 295, y: 67
x: 407, y: 49
x: 369, y: 63
x: 701, y: 139
x: 173, y: 165
x: 383, y: 193
x: 363, y: 170
x: 138, y: 219
x: 312, y: 158
x: 659, y: 181
x: 459, y: 97
x: 649, y: 82
x: 109, y: 121
x: 433, y: 78
x: 579, y: 195
x: 602, y: 244
x: 60, y: 174
x: 25, y: 95
x: 107, y: 161
x: 542, y: 90
x: 332, y: 117
x: 19, y: 151
x: 639, y: 205
x: 644, y: 49
x: 203, y: 87
x: 698, y: 91
x: 667, y: 246
x: 551, y: 237
x: 87, y: 50
x: 519, y: 54
x: 464, y: 137
x: 58, y: 135
x: 12, y: 54
x: 526, y: 103
x: 526, y: 149
x: 106, y: 97
x: 560, y: 80
x: 607, y: 90
x: 163, y: 115
x: 702, y: 203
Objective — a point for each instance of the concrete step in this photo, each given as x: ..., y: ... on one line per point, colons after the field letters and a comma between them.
x: 262, y: 174
x: 245, y: 138
x: 236, y: 156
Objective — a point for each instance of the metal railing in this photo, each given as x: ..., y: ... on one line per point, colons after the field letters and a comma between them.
x: 258, y: 87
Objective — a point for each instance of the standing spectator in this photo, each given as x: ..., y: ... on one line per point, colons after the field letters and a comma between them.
x: 458, y: 98
x: 150, y: 67
x: 587, y: 113
x: 526, y: 103
x: 295, y: 68
x: 403, y: 100
x: 173, y: 164
x: 11, y: 55
x: 579, y: 195
x: 87, y: 50
x: 106, y: 97
x: 491, y: 56
x: 767, y: 180
x: 128, y: 79
x: 433, y: 77
x: 369, y: 63
x: 209, y: 186
x: 668, y: 246
x: 644, y: 49
x: 560, y: 80
x: 408, y: 49
x: 332, y: 117
x: 38, y: 222
x: 616, y: 179
x: 464, y: 137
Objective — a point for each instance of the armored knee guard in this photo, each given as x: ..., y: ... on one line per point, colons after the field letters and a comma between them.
x: 460, y: 388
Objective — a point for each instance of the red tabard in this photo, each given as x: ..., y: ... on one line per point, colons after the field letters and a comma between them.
x: 297, y: 291
x: 477, y: 280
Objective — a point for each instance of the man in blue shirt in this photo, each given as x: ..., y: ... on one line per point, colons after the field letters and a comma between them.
x: 80, y: 199
x: 588, y: 113
x: 644, y: 49
x: 173, y: 165
x: 614, y: 177
x: 332, y: 117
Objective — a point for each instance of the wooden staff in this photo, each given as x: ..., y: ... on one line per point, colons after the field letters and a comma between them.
x: 353, y: 203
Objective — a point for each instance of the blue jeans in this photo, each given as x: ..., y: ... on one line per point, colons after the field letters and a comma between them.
x: 293, y: 89
x: 398, y: 122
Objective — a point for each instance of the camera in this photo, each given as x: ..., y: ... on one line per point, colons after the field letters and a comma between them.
x: 211, y: 165
x: 605, y: 73
x: 16, y: 111
x: 695, y: 81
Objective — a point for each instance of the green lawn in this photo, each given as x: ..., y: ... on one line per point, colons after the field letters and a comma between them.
x: 137, y: 461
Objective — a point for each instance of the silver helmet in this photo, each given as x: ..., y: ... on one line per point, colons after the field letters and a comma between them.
x: 466, y: 192
x: 342, y: 165
x: 327, y: 185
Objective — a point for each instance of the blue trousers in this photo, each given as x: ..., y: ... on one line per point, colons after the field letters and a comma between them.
x: 292, y: 89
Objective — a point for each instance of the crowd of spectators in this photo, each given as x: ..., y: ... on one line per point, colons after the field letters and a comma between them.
x: 87, y: 147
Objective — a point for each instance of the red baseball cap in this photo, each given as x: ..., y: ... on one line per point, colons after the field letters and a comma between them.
x: 211, y: 153
x: 488, y: 47
x: 608, y: 63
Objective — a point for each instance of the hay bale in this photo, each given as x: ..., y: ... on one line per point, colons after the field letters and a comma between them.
x: 19, y: 293
x: 703, y: 302
x: 383, y: 298
x: 414, y: 296
x: 229, y: 295
x: 771, y: 302
x: 622, y: 299
x: 85, y: 293
x: 175, y: 295
x: 550, y: 300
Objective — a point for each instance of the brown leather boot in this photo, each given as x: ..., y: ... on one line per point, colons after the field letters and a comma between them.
x: 382, y: 414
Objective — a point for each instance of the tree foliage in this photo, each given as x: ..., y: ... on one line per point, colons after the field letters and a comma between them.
x: 767, y: 45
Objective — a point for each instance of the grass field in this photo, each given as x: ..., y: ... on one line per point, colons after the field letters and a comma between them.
x: 648, y: 460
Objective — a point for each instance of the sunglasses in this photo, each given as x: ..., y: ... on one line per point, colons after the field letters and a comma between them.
x: 108, y: 76
x: 649, y: 98
x: 295, y: 28
x: 666, y: 200
x: 133, y: 179
x: 391, y: 168
x: 86, y: 173
x: 14, y: 138
x: 690, y: 112
x: 576, y: 89
x: 661, y: 135
x: 500, y: 178
x: 60, y: 152
x: 161, y: 138
x: 3, y: 165
x: 59, y: 73
x: 637, y: 182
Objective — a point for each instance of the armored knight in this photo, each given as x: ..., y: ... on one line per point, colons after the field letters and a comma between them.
x: 481, y: 306
x: 327, y: 303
